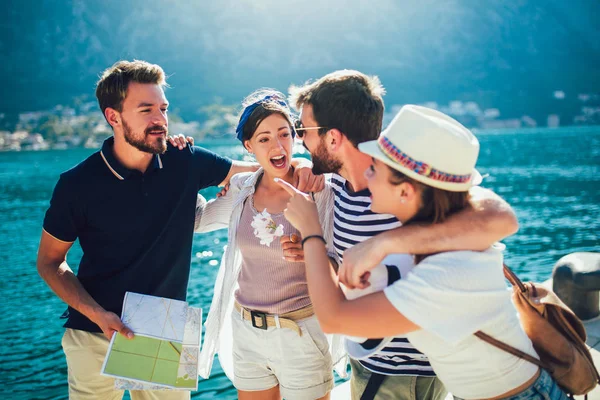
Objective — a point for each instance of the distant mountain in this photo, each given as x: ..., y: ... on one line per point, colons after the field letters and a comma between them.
x: 510, y: 55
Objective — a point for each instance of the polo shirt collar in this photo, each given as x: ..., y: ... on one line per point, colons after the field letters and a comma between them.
x: 119, y: 170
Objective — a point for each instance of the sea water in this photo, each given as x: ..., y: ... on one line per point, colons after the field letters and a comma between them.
x: 551, y: 178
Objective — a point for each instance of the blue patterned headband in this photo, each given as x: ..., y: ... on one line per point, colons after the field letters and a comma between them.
x: 250, y: 109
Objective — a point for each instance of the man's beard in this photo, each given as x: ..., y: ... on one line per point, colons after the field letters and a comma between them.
x: 157, y: 146
x: 323, y: 163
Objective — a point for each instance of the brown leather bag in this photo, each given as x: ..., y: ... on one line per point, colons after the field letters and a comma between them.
x: 558, y: 336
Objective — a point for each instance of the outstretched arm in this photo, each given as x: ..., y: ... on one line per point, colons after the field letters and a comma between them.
x: 239, y: 167
x: 369, y: 316
x: 489, y: 220
x: 304, y: 179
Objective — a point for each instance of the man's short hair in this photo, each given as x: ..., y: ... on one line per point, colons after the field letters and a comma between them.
x: 111, y: 89
x: 347, y: 100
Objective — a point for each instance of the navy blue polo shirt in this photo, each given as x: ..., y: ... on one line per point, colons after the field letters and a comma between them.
x: 135, y: 229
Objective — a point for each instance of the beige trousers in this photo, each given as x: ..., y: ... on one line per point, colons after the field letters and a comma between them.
x: 85, y: 353
x: 397, y: 387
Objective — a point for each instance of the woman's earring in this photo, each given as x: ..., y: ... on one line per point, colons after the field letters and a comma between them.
x: 403, y: 200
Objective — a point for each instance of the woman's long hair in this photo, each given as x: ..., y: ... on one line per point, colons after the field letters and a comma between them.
x: 436, y: 204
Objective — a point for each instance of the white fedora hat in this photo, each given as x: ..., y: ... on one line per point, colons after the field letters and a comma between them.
x: 430, y: 147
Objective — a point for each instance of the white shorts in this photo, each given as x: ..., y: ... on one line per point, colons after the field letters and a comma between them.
x: 263, y: 359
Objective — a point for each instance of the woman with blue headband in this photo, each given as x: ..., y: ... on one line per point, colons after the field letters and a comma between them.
x: 261, y: 321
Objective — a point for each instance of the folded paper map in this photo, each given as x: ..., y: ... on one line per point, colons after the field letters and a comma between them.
x: 164, y: 352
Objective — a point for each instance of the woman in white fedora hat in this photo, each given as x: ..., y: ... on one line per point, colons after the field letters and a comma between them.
x: 423, y: 167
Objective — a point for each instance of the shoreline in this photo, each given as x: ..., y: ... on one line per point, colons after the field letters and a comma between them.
x: 34, y: 142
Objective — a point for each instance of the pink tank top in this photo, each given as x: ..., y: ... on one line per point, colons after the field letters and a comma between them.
x: 267, y: 282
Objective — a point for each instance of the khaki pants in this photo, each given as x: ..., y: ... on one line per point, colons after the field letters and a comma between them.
x: 85, y: 353
x: 397, y: 387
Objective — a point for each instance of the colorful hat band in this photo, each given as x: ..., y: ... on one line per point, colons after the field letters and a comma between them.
x: 418, y: 167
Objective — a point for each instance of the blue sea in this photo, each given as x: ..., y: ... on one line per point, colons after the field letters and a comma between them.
x: 550, y: 177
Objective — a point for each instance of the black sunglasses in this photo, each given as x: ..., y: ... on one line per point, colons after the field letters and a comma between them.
x: 299, y: 128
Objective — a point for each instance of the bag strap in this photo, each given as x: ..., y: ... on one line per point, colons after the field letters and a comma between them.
x: 513, y: 278
x: 515, y: 281
x: 514, y: 351
x: 373, y: 385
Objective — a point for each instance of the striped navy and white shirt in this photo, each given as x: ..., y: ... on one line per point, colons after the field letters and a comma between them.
x: 354, y: 222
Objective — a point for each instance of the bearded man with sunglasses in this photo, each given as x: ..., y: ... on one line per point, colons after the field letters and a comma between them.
x: 339, y: 111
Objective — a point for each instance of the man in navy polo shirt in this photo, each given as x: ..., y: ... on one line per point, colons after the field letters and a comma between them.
x: 132, y: 206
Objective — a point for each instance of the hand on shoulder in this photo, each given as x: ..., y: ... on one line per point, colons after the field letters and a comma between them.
x: 180, y: 141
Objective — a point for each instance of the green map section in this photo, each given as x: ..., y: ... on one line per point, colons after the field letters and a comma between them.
x: 147, y: 359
